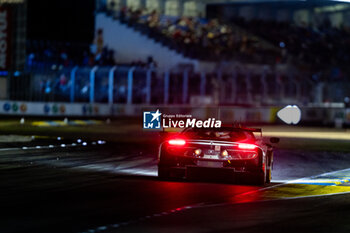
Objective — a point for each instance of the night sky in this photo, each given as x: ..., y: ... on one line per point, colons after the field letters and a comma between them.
x: 61, y: 20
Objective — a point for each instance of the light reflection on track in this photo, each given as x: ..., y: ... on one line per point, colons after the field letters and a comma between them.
x: 138, y: 165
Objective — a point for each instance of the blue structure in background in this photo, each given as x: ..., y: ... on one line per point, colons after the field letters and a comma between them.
x: 140, y: 85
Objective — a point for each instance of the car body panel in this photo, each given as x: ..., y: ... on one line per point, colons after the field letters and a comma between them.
x: 248, y: 161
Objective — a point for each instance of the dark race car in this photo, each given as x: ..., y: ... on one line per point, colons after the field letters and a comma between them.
x: 233, y: 150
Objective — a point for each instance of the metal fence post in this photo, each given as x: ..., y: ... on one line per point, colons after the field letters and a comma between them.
x: 130, y: 85
x: 148, y: 85
x: 92, y: 84
x: 222, y: 88
x: 72, y: 84
x: 297, y: 89
x: 185, y: 87
x: 249, y: 87
x: 264, y: 86
x: 234, y: 87
x: 111, y: 84
x: 203, y: 83
x: 166, y: 87
x: 279, y: 82
x: 293, y: 81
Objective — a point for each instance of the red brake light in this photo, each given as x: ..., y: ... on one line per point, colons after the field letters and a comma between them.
x: 246, y: 146
x: 177, y: 142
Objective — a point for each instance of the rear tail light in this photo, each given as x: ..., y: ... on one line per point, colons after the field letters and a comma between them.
x: 244, y: 155
x: 246, y: 146
x: 177, y: 142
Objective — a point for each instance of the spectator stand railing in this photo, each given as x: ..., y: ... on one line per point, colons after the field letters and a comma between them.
x: 139, y: 85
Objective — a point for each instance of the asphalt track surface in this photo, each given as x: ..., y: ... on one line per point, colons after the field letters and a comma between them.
x: 68, y: 186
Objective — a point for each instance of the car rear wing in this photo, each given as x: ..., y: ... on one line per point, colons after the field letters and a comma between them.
x: 257, y: 130
x: 254, y: 130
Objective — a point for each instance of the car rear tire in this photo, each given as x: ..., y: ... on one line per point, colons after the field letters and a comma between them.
x: 163, y: 173
x: 268, y: 176
x: 269, y: 161
x: 259, y: 179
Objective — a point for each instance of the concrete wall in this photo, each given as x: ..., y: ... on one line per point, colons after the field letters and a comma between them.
x: 228, y: 114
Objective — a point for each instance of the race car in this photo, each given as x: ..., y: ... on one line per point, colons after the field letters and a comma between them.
x: 234, y: 150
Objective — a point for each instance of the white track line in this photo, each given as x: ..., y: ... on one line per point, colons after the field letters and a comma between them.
x: 206, y: 205
x: 62, y: 145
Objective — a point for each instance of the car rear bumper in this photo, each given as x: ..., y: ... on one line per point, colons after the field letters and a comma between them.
x: 183, y: 162
x: 212, y: 173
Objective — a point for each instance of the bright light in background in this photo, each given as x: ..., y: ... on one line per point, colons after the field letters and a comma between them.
x: 291, y: 114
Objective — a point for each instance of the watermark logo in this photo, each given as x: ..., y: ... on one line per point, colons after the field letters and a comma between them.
x: 151, y: 120
x: 157, y: 120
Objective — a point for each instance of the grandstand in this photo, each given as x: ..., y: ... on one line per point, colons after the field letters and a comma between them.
x: 196, y: 52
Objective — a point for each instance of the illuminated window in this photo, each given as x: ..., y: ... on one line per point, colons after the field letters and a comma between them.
x: 152, y: 5
x: 134, y: 4
x: 190, y: 8
x: 172, y: 8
